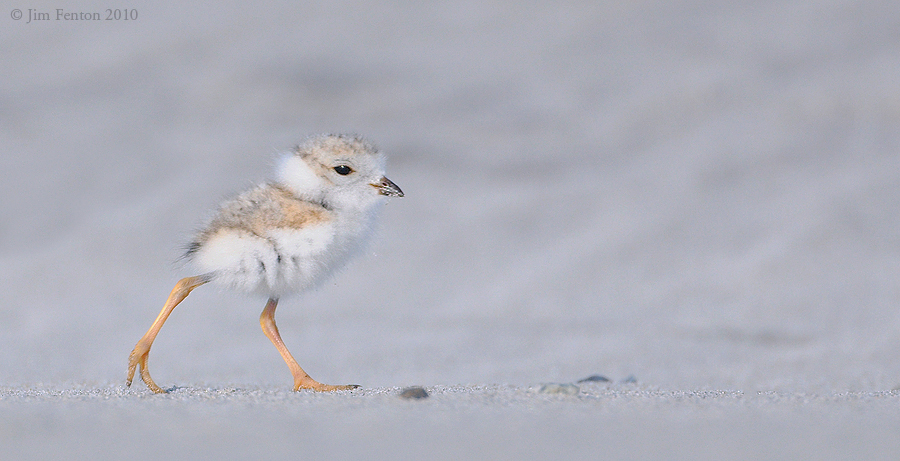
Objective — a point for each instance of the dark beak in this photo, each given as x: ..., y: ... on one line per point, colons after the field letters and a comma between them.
x: 387, y: 187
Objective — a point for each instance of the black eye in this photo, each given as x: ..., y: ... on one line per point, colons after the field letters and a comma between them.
x: 343, y: 170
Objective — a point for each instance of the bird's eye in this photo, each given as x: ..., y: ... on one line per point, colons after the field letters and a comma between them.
x: 343, y: 170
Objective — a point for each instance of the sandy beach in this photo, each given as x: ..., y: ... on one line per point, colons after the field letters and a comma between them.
x: 698, y: 201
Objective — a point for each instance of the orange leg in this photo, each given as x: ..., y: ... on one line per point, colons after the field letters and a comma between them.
x: 301, y: 378
x: 142, y: 350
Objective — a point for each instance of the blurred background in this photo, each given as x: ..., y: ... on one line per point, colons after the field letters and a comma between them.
x: 704, y: 195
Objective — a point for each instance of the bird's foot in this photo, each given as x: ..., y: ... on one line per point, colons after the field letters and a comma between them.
x: 319, y: 387
x: 138, y: 358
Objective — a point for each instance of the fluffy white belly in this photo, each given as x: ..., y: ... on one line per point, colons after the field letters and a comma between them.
x: 279, y: 262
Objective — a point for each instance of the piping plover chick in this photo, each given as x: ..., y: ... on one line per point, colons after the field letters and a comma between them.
x: 285, y: 236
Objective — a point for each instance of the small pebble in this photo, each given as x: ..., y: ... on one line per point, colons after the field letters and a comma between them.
x: 415, y: 392
x: 594, y: 379
x: 561, y: 389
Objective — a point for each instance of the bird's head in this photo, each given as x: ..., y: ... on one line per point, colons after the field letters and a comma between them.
x: 337, y: 171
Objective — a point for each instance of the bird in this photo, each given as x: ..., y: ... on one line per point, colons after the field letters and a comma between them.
x: 285, y: 236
